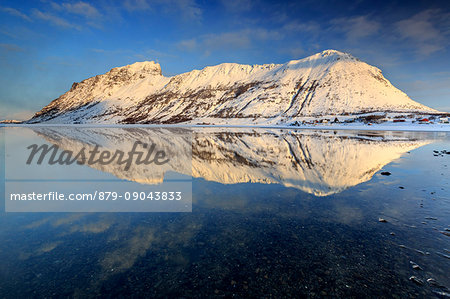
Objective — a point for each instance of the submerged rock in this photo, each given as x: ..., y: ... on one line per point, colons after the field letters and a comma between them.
x: 415, y: 266
x: 441, y: 293
x: 416, y: 280
x: 420, y: 251
x: 443, y: 255
x: 432, y: 282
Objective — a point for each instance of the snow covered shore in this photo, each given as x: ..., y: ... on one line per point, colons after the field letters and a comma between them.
x: 326, y: 126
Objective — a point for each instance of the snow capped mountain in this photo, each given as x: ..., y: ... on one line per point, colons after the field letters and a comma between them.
x: 327, y: 83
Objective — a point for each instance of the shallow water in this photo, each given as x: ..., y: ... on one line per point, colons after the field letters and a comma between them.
x: 274, y: 213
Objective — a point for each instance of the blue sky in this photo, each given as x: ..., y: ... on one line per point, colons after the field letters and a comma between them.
x: 45, y: 45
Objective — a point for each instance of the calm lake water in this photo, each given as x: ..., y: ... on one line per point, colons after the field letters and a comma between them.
x: 275, y: 213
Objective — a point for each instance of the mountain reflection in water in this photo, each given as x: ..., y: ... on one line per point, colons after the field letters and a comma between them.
x: 317, y: 162
x: 252, y: 231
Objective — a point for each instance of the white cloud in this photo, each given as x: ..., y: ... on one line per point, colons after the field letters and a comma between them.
x: 237, y: 5
x: 427, y: 31
x: 100, y: 50
x: 295, y: 26
x: 11, y: 47
x: 136, y: 5
x: 81, y: 8
x: 188, y: 9
x: 55, y: 20
x: 15, y: 12
x: 234, y: 40
x: 239, y: 39
x: 294, y: 51
x: 152, y: 54
x: 430, y: 85
x: 356, y: 27
x: 433, y: 91
x: 187, y: 45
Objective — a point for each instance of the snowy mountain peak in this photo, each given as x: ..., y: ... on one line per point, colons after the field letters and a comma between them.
x: 333, y: 52
x: 326, y: 83
x: 329, y: 56
x: 321, y: 61
x: 144, y: 67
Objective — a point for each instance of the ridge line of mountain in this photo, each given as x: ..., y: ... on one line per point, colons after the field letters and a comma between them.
x: 326, y: 83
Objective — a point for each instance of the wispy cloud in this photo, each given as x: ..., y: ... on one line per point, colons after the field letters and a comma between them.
x: 153, y: 54
x: 188, y: 9
x: 187, y: 45
x: 237, y: 5
x: 113, y: 52
x: 296, y: 27
x: 356, y: 28
x: 295, y: 51
x: 136, y: 5
x: 79, y: 8
x: 7, y: 33
x: 16, y: 13
x: 430, y: 85
x: 55, y: 20
x: 235, y: 40
x: 427, y: 31
x: 11, y: 47
x: 91, y: 15
x: 98, y: 50
x: 436, y: 88
x: 227, y: 40
x: 145, y: 54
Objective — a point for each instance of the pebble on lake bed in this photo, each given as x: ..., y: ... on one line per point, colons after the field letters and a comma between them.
x: 415, y: 266
x: 416, y: 280
x: 432, y: 282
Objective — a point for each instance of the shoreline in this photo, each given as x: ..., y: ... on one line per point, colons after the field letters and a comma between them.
x: 358, y: 127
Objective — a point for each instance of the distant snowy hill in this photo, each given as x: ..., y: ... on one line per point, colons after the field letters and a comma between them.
x: 327, y: 83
